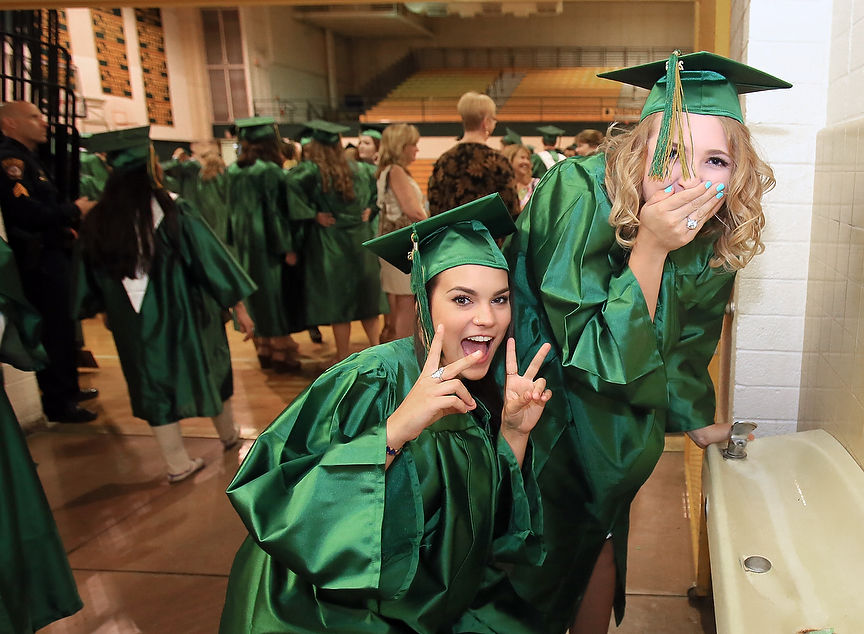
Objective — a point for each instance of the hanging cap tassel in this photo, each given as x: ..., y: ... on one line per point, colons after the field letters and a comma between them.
x: 418, y: 287
x: 672, y: 124
x: 154, y: 169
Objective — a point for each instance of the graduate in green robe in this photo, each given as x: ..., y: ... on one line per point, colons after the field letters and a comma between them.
x: 163, y: 279
x: 626, y: 262
x: 212, y: 194
x: 335, y: 198
x: 180, y: 175
x: 36, y: 583
x: 260, y: 231
x: 543, y: 160
x: 380, y: 498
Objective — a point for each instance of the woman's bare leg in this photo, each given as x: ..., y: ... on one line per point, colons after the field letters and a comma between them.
x: 370, y: 327
x: 342, y: 336
x: 595, y: 610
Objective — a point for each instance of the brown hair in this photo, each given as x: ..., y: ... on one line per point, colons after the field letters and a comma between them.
x: 269, y: 149
x: 473, y: 107
x: 334, y: 168
x: 739, y: 222
x: 394, y: 139
x: 591, y: 137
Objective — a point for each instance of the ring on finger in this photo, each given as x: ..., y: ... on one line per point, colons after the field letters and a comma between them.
x: 437, y: 374
x: 691, y: 223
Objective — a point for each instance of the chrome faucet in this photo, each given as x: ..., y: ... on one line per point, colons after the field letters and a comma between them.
x: 737, y: 447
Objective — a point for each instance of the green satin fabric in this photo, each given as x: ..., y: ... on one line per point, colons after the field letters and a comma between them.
x: 183, y: 178
x: 174, y: 353
x: 621, y: 381
x: 538, y: 167
x: 93, y: 176
x: 260, y: 231
x: 342, y: 279
x: 339, y: 545
x: 36, y: 583
x: 212, y: 204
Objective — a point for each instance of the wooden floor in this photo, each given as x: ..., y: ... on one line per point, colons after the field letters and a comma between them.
x: 154, y: 558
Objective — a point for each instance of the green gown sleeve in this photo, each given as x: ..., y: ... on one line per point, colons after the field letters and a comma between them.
x: 301, y: 181
x: 21, y: 343
x: 519, y: 526
x: 280, y: 239
x: 593, y: 301
x: 311, y: 491
x: 690, y: 388
x: 212, y: 266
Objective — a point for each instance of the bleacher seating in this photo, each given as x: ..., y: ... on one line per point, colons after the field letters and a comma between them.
x: 556, y: 94
x: 566, y: 94
x: 421, y: 170
x: 430, y: 95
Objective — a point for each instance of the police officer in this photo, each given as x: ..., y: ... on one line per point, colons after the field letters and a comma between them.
x: 41, y: 230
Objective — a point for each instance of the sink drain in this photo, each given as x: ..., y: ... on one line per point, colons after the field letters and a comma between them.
x: 757, y: 563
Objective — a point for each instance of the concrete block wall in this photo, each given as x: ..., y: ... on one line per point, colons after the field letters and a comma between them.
x: 787, y: 39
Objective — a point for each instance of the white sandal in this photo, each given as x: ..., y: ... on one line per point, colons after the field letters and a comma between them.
x: 194, y: 466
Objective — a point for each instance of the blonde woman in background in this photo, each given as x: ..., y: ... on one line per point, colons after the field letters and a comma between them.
x: 401, y: 203
x: 524, y: 181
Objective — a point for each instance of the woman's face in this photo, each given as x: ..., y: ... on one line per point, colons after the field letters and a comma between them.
x: 366, y: 148
x: 586, y: 149
x: 709, y: 156
x: 521, y: 163
x: 409, y: 153
x: 473, y: 304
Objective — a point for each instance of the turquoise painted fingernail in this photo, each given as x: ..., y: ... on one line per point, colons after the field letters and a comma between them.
x: 708, y: 185
x: 721, y: 187
x: 720, y: 195
x: 668, y: 190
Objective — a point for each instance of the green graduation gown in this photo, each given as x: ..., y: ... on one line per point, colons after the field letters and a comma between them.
x: 260, y: 231
x: 181, y: 177
x: 212, y: 203
x: 538, y: 167
x: 93, y: 176
x: 36, y: 583
x: 621, y: 380
x: 342, y: 278
x: 174, y: 352
x: 338, y: 544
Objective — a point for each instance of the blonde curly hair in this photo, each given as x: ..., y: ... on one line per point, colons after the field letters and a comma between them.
x: 738, y: 224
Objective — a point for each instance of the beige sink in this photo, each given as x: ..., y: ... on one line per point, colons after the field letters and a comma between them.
x: 798, y: 501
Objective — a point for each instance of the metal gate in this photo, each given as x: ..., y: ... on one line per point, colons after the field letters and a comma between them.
x: 34, y: 67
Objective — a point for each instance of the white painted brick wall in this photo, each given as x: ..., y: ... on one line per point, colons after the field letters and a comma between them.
x: 788, y: 39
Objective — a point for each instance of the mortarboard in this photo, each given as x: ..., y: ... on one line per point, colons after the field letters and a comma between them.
x: 511, y: 138
x: 463, y: 235
x: 257, y: 129
x: 372, y: 129
x: 550, y: 133
x: 323, y: 132
x: 126, y: 149
x: 697, y: 83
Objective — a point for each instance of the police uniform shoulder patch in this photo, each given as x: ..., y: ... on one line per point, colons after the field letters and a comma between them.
x: 13, y: 167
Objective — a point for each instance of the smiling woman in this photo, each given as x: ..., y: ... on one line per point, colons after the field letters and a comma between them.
x: 378, y: 500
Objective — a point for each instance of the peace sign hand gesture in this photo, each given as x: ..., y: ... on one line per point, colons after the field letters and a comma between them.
x: 524, y: 397
x: 437, y: 393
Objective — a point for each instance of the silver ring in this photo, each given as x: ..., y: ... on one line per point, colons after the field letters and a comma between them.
x: 437, y: 374
x: 691, y: 224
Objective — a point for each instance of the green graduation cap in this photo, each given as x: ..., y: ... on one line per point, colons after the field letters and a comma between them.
x: 373, y: 130
x: 126, y: 149
x: 550, y: 133
x: 697, y: 83
x: 323, y: 132
x: 511, y: 138
x: 256, y: 129
x: 463, y: 235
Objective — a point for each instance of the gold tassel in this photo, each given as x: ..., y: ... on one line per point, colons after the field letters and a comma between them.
x: 672, y: 124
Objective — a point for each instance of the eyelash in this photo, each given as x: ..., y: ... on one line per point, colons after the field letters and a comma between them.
x: 715, y: 161
x: 464, y: 300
